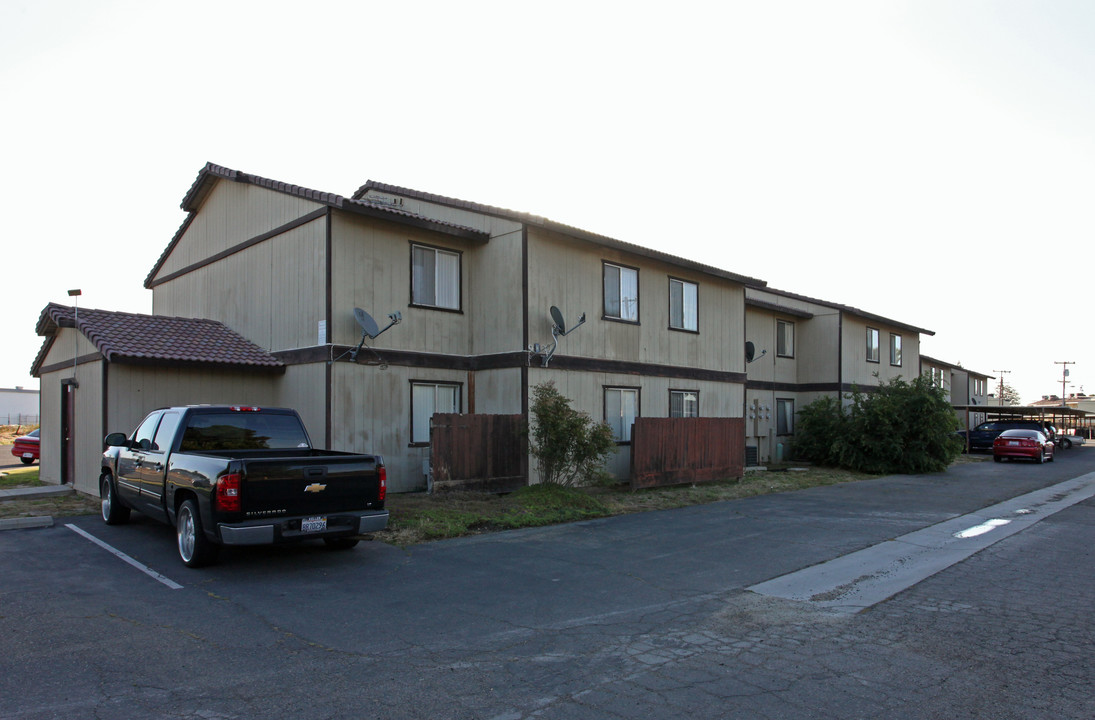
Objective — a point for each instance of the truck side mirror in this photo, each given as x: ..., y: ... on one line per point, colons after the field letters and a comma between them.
x: 116, y: 440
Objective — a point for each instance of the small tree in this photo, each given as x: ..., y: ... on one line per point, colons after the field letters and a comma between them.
x: 567, y: 444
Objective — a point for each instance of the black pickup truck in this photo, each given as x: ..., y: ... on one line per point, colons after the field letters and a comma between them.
x: 234, y: 475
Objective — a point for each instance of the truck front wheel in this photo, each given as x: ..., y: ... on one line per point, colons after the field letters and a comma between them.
x: 195, y: 549
x: 114, y: 513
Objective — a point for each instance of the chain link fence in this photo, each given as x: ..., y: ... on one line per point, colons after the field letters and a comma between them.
x: 19, y: 419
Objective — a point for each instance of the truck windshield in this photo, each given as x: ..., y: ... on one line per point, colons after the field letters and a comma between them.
x: 243, y: 431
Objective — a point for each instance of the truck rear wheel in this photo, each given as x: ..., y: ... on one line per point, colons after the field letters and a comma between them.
x: 195, y: 549
x: 114, y: 513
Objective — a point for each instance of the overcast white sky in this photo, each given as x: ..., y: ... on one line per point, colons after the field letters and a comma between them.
x: 928, y: 161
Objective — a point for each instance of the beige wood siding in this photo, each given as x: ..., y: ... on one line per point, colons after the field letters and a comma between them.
x: 569, y: 274
x: 372, y: 270
x: 272, y: 293
x: 858, y: 371
x: 233, y: 213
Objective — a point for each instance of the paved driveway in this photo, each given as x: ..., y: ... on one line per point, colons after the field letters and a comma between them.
x: 643, y: 616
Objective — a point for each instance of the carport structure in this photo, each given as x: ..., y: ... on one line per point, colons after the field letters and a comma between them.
x: 1061, y: 417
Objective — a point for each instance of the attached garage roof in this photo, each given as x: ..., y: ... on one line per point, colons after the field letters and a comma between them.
x: 130, y: 338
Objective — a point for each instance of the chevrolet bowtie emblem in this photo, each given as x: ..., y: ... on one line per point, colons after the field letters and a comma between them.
x: 315, y: 487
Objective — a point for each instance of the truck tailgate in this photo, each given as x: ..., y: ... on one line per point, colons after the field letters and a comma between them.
x: 310, y: 486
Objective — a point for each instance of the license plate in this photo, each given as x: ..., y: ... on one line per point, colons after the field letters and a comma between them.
x: 29, y: 455
x: 313, y: 524
x: 1013, y: 442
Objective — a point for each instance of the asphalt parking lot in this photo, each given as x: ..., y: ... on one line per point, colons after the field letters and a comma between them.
x: 642, y: 616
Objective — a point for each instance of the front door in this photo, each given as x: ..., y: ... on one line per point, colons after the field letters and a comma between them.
x: 131, y: 461
x: 68, y: 439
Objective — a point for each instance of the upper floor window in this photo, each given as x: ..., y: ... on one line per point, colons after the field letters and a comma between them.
x: 621, y: 293
x: 895, y: 349
x: 435, y: 277
x: 429, y: 398
x: 785, y: 339
x: 683, y: 305
x: 621, y: 409
x: 684, y: 403
x: 872, y: 345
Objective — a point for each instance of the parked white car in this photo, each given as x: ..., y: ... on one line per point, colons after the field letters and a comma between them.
x: 1067, y: 440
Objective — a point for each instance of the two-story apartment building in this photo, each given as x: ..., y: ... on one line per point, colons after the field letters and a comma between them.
x: 257, y: 299
x: 804, y: 348
x: 285, y: 267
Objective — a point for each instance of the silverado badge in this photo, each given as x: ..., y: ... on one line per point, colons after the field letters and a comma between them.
x: 315, y: 488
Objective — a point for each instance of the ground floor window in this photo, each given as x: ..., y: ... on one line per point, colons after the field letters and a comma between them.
x: 785, y: 416
x: 427, y: 399
x: 684, y: 403
x: 621, y: 409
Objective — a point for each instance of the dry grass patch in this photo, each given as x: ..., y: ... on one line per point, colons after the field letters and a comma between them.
x: 418, y: 517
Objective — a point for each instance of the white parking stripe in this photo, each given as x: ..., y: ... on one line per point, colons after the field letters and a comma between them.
x: 114, y: 551
x: 854, y: 582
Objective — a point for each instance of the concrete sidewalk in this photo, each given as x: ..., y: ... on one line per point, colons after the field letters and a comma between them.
x: 33, y: 493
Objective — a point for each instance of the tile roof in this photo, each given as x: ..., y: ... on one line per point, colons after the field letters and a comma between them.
x: 536, y: 220
x: 131, y: 338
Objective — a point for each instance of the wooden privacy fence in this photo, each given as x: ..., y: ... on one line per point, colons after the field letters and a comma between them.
x: 478, y: 452
x: 674, y: 451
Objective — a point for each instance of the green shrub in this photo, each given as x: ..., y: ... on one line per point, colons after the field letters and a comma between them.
x: 902, y: 427
x: 568, y: 446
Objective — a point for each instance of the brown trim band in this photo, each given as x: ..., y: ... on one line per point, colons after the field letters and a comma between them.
x: 502, y: 361
x: 68, y: 364
x: 291, y: 225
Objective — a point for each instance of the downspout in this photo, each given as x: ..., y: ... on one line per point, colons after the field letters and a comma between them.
x: 328, y: 315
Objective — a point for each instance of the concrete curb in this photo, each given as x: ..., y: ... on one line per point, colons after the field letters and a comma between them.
x: 34, y: 493
x: 23, y: 523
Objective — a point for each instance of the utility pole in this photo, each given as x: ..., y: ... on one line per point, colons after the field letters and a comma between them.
x: 1064, y: 381
x: 1000, y: 394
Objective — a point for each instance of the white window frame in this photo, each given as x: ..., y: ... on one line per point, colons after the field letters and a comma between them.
x: 689, y: 403
x: 621, y: 292
x: 438, y: 286
x: 424, y: 404
x: 621, y: 409
x: 785, y: 339
x: 684, y: 304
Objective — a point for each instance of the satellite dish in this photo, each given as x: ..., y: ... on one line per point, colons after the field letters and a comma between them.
x: 557, y: 318
x: 750, y: 351
x: 365, y: 320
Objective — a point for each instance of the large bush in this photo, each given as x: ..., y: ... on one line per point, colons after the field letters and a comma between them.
x: 568, y: 446
x: 903, y: 427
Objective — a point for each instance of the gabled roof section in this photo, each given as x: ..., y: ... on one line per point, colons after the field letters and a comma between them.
x: 211, y: 174
x: 843, y: 308
x: 129, y: 338
x: 943, y: 363
x: 541, y: 222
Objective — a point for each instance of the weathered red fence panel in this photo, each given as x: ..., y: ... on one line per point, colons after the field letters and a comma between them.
x: 478, y: 452
x: 674, y: 451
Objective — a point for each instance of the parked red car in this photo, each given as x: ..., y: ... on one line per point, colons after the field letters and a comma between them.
x: 26, y: 447
x: 1029, y: 444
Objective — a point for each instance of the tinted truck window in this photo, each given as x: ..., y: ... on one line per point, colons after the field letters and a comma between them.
x: 243, y: 431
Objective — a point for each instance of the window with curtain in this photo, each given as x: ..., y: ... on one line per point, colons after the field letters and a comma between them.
x: 621, y: 293
x: 427, y: 399
x: 785, y: 417
x: 684, y: 403
x: 435, y: 277
x: 683, y: 305
x: 785, y: 339
x: 872, y: 345
x: 621, y: 408
x: 895, y: 349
